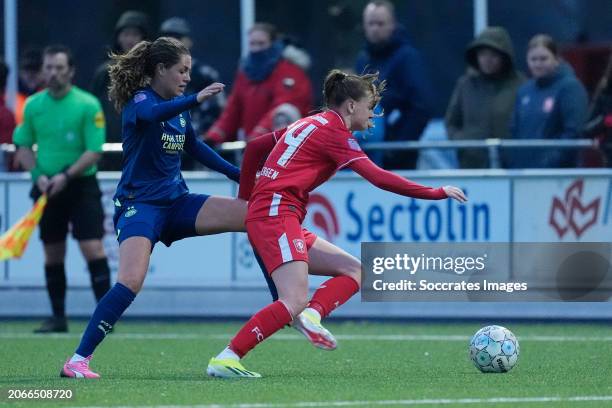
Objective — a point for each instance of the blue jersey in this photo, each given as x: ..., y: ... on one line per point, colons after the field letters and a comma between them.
x: 155, y: 131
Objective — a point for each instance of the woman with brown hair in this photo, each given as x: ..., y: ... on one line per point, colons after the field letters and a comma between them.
x: 552, y: 105
x: 307, y: 154
x: 152, y: 201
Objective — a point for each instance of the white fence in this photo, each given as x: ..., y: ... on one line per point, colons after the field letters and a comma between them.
x: 218, y: 276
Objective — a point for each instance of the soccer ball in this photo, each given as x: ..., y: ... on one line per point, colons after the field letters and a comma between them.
x: 494, y: 349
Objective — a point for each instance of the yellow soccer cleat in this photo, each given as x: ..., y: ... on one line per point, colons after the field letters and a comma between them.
x: 229, y: 368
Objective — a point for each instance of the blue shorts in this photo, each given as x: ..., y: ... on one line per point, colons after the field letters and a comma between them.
x: 167, y: 223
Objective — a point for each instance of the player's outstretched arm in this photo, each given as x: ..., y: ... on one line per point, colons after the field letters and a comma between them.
x: 208, y: 157
x: 149, y: 110
x: 394, y: 183
x: 255, y: 154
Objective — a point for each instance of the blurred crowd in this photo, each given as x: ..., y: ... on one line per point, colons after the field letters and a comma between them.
x: 272, y: 88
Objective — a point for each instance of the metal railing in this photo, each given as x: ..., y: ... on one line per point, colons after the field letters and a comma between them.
x: 493, y: 146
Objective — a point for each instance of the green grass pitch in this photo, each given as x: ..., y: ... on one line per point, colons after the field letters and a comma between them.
x: 376, y: 364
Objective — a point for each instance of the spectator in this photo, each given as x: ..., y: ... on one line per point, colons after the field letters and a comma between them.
x: 7, y: 120
x: 204, y: 114
x: 272, y: 74
x: 30, y: 79
x: 30, y: 71
x: 599, y: 124
x: 407, y: 100
x: 551, y: 105
x: 483, y: 99
x: 284, y: 115
x: 131, y: 28
x: 202, y: 75
x: 67, y: 124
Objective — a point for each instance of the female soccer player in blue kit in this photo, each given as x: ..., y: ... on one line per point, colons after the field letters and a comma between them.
x: 152, y: 202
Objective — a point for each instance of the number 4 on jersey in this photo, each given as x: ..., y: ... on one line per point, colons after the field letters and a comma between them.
x: 294, y: 137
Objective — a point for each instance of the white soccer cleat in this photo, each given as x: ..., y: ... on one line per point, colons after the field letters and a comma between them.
x: 310, y: 326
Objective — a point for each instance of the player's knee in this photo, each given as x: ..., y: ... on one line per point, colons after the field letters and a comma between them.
x: 54, y: 259
x: 353, y: 271
x: 296, y: 302
x: 132, y: 284
x: 55, y: 253
x: 92, y: 250
x: 130, y: 279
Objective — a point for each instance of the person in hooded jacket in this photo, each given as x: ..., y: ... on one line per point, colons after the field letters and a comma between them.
x: 551, y: 105
x: 272, y: 74
x: 599, y: 125
x: 408, y: 98
x: 131, y: 28
x: 483, y: 100
x: 202, y: 75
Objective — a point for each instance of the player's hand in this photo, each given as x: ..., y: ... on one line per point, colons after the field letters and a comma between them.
x: 42, y: 183
x: 209, y: 91
x: 57, y: 183
x: 456, y: 193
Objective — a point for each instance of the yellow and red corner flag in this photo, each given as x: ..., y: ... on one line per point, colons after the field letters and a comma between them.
x: 14, y: 241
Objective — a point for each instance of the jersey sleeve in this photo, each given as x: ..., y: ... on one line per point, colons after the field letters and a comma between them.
x: 94, y: 127
x: 255, y: 154
x: 207, y: 156
x: 394, y: 183
x: 342, y: 148
x: 24, y: 135
x: 150, y: 110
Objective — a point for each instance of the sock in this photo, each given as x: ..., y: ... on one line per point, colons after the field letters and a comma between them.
x: 262, y: 325
x: 55, y: 276
x: 333, y: 293
x: 228, y: 353
x: 108, y: 311
x: 100, y: 277
x: 76, y: 358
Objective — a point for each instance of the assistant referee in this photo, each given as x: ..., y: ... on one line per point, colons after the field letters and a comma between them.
x: 67, y: 125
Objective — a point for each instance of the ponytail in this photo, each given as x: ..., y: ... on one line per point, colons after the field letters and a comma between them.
x: 340, y: 86
x: 127, y: 74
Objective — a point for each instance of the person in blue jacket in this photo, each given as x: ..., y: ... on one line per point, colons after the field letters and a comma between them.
x: 152, y: 202
x: 408, y: 98
x: 552, y: 105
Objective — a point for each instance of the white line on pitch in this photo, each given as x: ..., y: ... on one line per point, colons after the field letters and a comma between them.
x: 349, y: 337
x: 406, y: 402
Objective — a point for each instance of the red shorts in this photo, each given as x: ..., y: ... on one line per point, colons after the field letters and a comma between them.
x: 279, y: 239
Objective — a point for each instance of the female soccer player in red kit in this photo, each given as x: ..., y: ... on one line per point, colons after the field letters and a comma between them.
x: 307, y: 154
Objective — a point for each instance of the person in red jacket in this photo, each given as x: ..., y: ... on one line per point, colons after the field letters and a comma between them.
x: 7, y: 120
x: 271, y: 75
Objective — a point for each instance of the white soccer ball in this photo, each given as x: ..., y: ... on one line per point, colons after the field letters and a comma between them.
x: 494, y: 349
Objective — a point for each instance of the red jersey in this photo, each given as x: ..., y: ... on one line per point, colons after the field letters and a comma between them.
x: 306, y: 155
